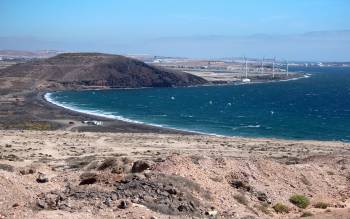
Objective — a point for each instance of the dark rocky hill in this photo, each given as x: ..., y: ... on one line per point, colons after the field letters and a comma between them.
x: 96, y: 69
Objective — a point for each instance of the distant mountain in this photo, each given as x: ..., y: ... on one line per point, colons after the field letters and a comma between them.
x: 28, y: 54
x: 96, y: 69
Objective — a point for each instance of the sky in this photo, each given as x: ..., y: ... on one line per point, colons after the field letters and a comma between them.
x: 288, y: 29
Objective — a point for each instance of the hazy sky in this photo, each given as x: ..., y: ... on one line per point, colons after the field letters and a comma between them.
x: 291, y: 29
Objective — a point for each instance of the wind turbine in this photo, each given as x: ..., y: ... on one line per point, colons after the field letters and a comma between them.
x: 246, y: 79
x: 246, y: 67
x: 242, y: 70
x: 273, y: 67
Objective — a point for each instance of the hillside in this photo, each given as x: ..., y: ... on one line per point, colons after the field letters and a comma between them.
x: 96, y: 69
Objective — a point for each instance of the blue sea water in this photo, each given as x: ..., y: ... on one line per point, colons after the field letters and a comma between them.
x: 316, y: 108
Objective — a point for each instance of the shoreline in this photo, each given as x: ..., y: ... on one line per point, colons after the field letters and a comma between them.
x: 107, y: 121
x: 46, y: 97
x: 100, y: 115
x: 35, y: 109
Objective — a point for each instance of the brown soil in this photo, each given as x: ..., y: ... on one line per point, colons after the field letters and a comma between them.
x: 94, y: 175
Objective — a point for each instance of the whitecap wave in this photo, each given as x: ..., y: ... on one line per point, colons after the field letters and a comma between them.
x: 99, y: 113
x: 298, y: 78
x: 246, y: 126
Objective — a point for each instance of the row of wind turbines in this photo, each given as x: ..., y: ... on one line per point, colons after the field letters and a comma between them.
x: 262, y: 68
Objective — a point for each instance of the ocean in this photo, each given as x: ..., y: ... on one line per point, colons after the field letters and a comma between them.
x: 313, y: 108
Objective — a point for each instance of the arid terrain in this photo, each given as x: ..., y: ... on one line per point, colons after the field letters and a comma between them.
x: 64, y: 174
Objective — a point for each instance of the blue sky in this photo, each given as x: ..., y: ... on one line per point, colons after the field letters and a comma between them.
x: 193, y: 28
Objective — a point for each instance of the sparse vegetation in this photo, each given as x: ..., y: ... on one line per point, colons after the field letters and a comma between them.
x: 300, y: 201
x: 31, y: 125
x: 281, y: 208
x: 37, y: 125
x: 321, y: 205
x: 241, y: 199
x: 263, y: 208
x: 306, y: 214
x: 107, y: 163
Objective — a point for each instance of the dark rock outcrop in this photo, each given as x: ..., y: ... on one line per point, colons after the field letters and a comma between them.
x: 42, y: 178
x: 96, y: 69
x: 140, y: 166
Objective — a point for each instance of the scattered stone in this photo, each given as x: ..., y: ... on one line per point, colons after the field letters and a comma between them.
x: 123, y: 204
x: 108, y: 202
x: 171, y: 191
x: 15, y: 205
x: 140, y: 166
x: 88, y: 178
x: 26, y: 171
x: 211, y: 213
x: 42, y: 204
x: 240, y: 181
x: 261, y: 196
x: 42, y: 178
x: 52, y: 200
x: 340, y: 205
x: 238, y: 184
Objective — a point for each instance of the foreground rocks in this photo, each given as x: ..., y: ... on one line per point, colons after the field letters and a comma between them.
x: 161, y: 193
x: 140, y: 166
x: 87, y: 178
x: 178, y: 186
x: 42, y: 178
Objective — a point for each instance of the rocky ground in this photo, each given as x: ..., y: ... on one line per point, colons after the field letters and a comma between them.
x: 64, y: 174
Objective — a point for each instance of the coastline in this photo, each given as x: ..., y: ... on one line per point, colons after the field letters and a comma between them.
x: 201, y: 169
x: 110, y: 124
x: 157, y: 129
x: 100, y: 115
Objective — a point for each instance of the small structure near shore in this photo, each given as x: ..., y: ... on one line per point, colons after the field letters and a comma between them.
x: 246, y: 80
x: 93, y: 122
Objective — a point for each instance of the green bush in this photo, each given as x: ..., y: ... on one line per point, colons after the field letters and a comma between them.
x: 299, y: 200
x: 280, y: 208
x: 264, y: 207
x: 321, y: 205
